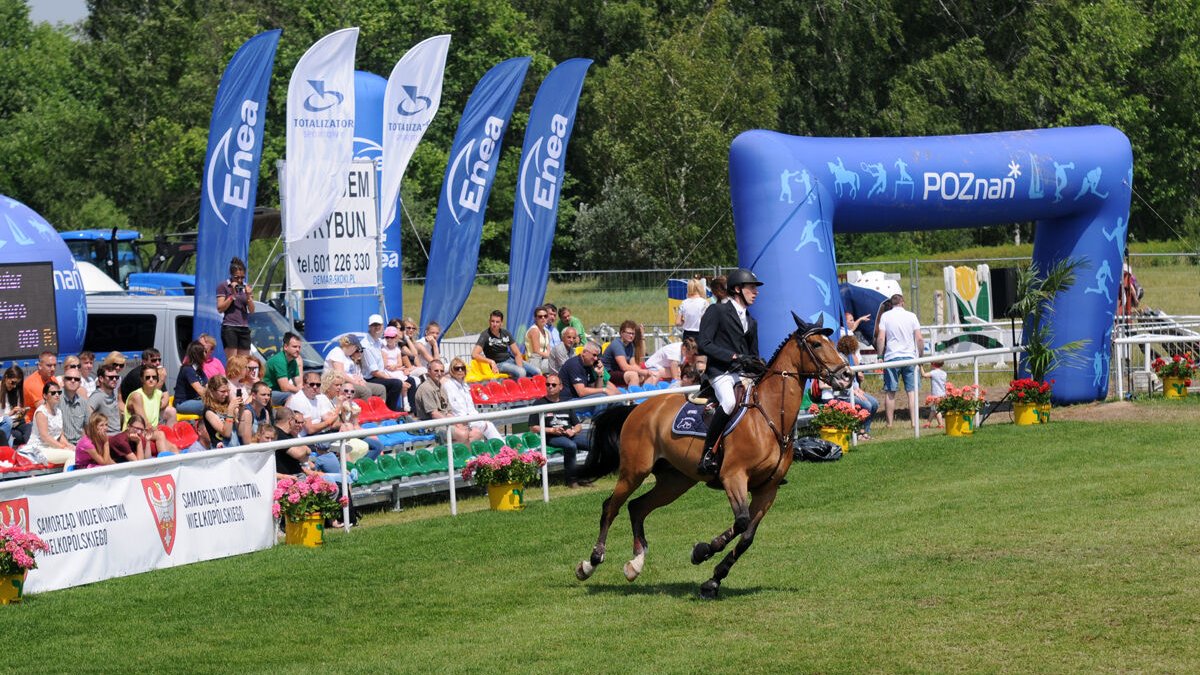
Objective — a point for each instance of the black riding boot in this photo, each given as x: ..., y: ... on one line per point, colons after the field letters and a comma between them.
x: 710, y: 464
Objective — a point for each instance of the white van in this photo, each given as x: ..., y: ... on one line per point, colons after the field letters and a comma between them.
x: 131, y: 323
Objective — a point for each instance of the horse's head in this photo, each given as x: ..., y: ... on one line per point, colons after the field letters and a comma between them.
x: 817, y: 355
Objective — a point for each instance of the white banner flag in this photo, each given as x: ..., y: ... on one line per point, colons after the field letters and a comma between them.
x: 144, y: 516
x: 320, y: 132
x: 414, y: 92
x: 341, y: 252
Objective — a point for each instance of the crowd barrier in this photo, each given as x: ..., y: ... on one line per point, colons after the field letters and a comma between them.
x: 1123, y: 343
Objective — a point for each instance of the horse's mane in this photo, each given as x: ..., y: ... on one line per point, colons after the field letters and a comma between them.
x: 783, y: 344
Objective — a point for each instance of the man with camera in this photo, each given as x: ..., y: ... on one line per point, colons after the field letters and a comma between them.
x: 235, y: 304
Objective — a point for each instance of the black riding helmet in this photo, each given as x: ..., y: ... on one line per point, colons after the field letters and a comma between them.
x: 741, y: 277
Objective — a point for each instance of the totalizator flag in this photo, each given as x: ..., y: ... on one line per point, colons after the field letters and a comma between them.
x: 231, y: 173
x: 543, y: 163
x: 414, y: 92
x: 458, y: 227
x: 320, y: 132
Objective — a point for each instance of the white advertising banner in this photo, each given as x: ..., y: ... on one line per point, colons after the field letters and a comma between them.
x: 320, y: 131
x: 342, y: 252
x: 414, y: 92
x: 144, y: 516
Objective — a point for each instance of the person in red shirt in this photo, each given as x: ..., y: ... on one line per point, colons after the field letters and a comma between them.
x: 36, y: 382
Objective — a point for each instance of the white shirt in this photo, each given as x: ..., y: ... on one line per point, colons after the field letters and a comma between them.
x: 313, y: 409
x: 662, y: 359
x: 899, y: 327
x: 336, y: 355
x: 691, y: 310
x: 459, y: 396
x: 741, y: 312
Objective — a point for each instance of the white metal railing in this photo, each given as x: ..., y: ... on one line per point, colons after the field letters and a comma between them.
x: 1120, y: 344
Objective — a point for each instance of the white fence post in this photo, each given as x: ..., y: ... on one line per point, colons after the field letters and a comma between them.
x: 546, y: 453
x: 450, y: 464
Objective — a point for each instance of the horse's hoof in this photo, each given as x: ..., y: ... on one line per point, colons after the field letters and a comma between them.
x: 701, y: 552
x: 631, y: 572
x: 583, y: 571
x: 709, y: 589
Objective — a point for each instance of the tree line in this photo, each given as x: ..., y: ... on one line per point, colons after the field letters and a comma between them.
x: 106, y: 122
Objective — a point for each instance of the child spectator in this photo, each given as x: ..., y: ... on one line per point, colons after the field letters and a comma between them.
x: 93, y: 447
x: 937, y: 384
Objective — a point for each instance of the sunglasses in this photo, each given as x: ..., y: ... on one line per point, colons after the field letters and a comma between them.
x: 154, y: 361
x: 56, y: 392
x: 459, y: 369
x: 314, y: 385
x: 112, y: 377
x: 150, y: 378
x: 539, y: 316
x: 348, y: 392
x: 552, y: 384
x: 71, y: 379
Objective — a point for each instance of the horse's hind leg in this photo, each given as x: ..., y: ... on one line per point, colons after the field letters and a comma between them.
x: 627, y: 482
x: 759, y: 506
x: 668, y: 487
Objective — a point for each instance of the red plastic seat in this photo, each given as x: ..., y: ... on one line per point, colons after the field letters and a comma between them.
x: 496, y: 392
x: 366, y: 414
x: 169, y: 433
x: 513, y: 391
x: 380, y: 411
x: 529, y: 389
x: 479, y: 395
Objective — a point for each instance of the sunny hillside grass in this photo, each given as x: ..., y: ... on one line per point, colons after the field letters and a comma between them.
x: 1067, y: 547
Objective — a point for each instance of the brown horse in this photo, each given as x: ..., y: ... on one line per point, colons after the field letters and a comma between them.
x: 757, y: 453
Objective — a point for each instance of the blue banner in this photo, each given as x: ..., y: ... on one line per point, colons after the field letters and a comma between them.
x: 231, y: 173
x: 454, y: 251
x: 535, y: 213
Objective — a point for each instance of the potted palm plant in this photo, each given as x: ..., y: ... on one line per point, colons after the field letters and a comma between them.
x: 1036, y: 291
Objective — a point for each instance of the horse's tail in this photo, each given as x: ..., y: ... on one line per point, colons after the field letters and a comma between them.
x: 605, y: 454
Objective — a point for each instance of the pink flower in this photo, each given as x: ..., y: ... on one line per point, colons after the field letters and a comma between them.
x: 275, y: 509
x: 344, y: 501
x: 294, y: 498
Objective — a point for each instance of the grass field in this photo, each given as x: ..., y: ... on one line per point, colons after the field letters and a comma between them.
x: 1071, y: 547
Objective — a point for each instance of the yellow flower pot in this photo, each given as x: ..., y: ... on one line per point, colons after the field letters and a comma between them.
x: 836, y: 435
x: 1026, y: 414
x: 12, y: 588
x: 958, y: 424
x: 1043, y: 413
x: 308, y: 531
x: 1174, y: 387
x: 506, y: 496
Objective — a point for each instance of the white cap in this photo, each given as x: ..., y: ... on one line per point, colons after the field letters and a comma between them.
x: 375, y: 319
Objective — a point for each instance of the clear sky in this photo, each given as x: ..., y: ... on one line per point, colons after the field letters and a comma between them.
x: 57, y: 11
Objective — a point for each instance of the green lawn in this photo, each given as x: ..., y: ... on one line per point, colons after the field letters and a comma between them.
x: 1071, y: 547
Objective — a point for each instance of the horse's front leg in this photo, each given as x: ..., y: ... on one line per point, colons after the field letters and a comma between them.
x: 763, y: 499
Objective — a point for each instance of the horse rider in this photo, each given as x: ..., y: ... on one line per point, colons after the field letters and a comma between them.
x: 729, y: 338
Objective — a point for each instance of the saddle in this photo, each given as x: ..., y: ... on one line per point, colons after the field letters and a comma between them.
x: 696, y: 412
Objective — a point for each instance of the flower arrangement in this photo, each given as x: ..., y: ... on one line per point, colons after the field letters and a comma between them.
x: 296, y: 498
x: 1181, y: 366
x: 1029, y: 390
x: 965, y: 400
x: 506, y: 466
x: 838, y: 414
x: 18, y: 548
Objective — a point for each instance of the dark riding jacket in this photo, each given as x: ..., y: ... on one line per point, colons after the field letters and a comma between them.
x: 721, y: 336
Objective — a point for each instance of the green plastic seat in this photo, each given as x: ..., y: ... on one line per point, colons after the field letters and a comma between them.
x: 368, y: 472
x: 408, y: 464
x: 514, y: 441
x: 480, y: 448
x: 390, y: 467
x: 462, y: 452
x: 532, y: 440
x: 426, y: 463
x: 495, y: 444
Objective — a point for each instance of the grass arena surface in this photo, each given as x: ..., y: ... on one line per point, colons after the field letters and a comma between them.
x: 1070, y: 547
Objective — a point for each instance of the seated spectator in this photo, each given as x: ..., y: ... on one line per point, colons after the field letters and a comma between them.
x: 87, y: 368
x: 567, y: 320
x: 104, y: 399
x: 212, y: 365
x: 432, y: 404
x: 458, y: 395
x: 624, y: 356
x: 285, y: 370
x: 552, y: 325
x: 93, y: 447
x: 73, y: 405
x: 314, y: 407
x: 35, y: 384
x: 667, y: 362
x: 847, y: 346
x: 691, y: 309
x: 149, y: 402
x: 564, y: 350
x: 341, y: 394
x: 343, y: 359
x: 411, y: 348
x: 427, y: 347
x: 496, y: 348
x: 373, y: 370
x: 688, y: 375
x: 191, y: 383
x: 563, y: 429
x: 151, y: 358
x: 257, y: 412
x: 294, y: 460
x: 12, y: 408
x: 537, y: 342
x: 221, y: 410
x: 582, y: 375
x: 243, y: 372
x: 47, y: 444
x: 138, y: 441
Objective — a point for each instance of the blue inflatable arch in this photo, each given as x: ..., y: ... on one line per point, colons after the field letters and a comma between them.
x: 790, y: 194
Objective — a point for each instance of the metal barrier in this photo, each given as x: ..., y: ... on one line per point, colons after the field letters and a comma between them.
x: 1145, y: 341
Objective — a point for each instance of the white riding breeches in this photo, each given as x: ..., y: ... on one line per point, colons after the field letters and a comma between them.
x: 723, y: 387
